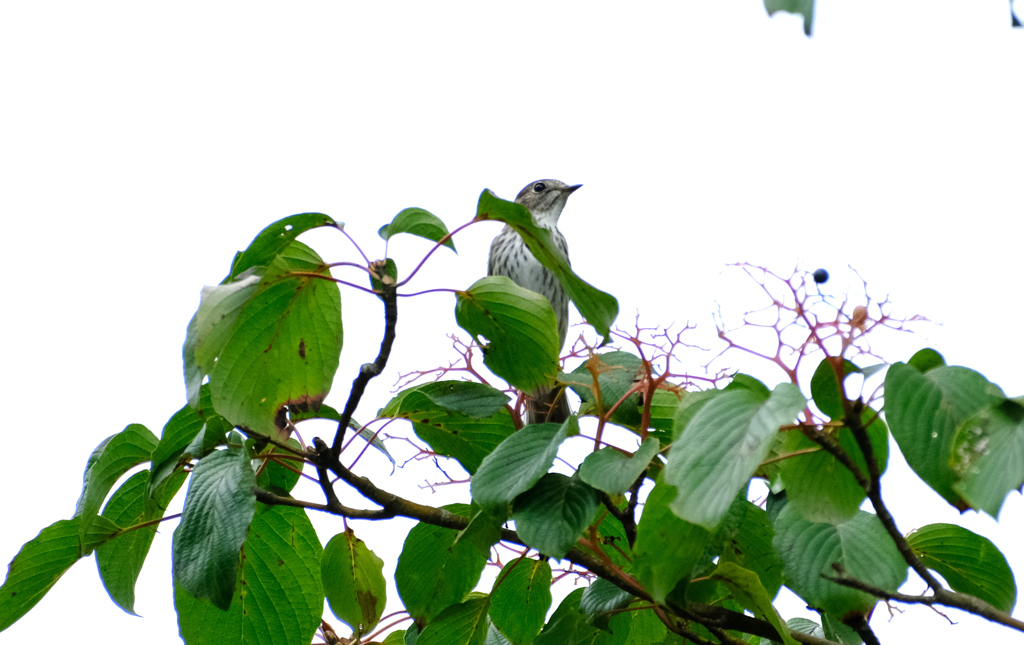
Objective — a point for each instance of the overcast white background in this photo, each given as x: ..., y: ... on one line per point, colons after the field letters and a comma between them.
x: 141, y: 145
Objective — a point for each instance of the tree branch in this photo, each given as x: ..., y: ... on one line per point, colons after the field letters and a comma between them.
x: 940, y: 596
x: 389, y: 295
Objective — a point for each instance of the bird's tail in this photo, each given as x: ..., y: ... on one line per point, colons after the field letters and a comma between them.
x: 547, y: 405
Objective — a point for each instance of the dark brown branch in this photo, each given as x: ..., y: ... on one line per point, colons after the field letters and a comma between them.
x: 369, y: 370
x: 629, y: 523
x: 860, y: 625
x: 940, y: 596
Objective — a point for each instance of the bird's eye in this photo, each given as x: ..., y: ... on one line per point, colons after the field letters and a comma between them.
x: 539, y: 187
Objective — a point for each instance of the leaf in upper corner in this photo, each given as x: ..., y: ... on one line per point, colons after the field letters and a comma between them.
x: 803, y: 8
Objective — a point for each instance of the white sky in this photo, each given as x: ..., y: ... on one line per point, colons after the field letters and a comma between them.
x: 142, y: 144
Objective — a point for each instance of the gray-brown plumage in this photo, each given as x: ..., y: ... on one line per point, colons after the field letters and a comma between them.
x: 510, y: 257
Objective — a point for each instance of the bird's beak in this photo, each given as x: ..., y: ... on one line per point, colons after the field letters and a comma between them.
x: 571, y: 189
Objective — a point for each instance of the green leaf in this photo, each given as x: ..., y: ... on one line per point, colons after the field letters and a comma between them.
x: 284, y: 347
x: 120, y: 560
x: 666, y: 547
x: 724, y: 444
x: 43, y: 560
x: 645, y: 628
x: 210, y: 329
x: 522, y: 343
x: 567, y: 624
x: 419, y: 222
x: 803, y: 8
x: 551, y: 516
x: 519, y: 462
x: 112, y: 459
x: 274, y: 239
x: 836, y: 631
x: 970, y: 563
x: 483, y: 531
x: 440, y: 421
x: 825, y: 389
x: 749, y: 545
x: 274, y: 475
x: 597, y: 307
x: 926, y: 359
x: 614, y: 472
x: 435, y: 570
x: 924, y: 412
x: 602, y: 597
x: 861, y: 547
x: 820, y: 487
x: 474, y: 400
x: 617, y: 374
x: 218, y: 509
x: 354, y: 582
x: 747, y: 589
x: 520, y: 599
x: 282, y: 561
x: 462, y: 624
x: 988, y: 456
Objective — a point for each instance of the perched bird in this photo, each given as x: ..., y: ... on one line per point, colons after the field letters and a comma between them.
x: 510, y: 257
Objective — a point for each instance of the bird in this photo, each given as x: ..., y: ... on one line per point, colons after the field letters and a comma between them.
x: 510, y: 257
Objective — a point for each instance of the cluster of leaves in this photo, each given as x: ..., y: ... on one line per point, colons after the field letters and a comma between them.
x: 700, y: 563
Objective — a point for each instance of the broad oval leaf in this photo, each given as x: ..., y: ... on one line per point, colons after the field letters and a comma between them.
x: 552, y: 515
x: 969, y: 562
x: 519, y: 463
x: 354, y: 582
x: 988, y: 455
x: 924, y: 412
x: 520, y: 599
x: 860, y: 547
x: 722, y: 446
x: 43, y: 560
x: 418, y: 222
x: 610, y: 470
x: 519, y: 326
x: 282, y: 560
x: 446, y: 417
x: 462, y: 624
x: 219, y: 507
x: 284, y: 347
x: 435, y: 570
